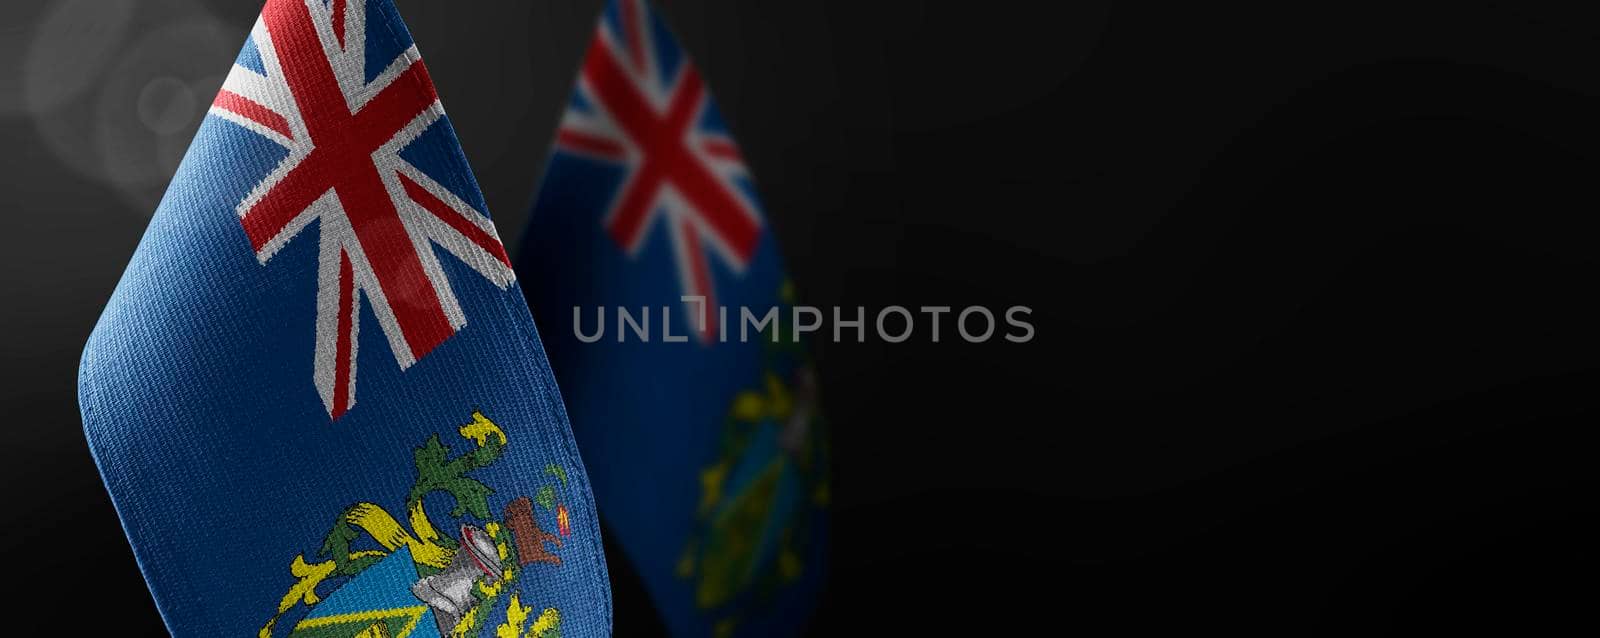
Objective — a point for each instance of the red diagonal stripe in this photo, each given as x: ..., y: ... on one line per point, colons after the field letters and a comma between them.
x: 449, y: 215
x: 338, y: 20
x: 723, y: 213
x: 592, y: 144
x: 721, y: 148
x: 251, y: 110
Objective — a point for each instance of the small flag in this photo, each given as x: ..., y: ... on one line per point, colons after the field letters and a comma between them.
x: 701, y: 427
x: 317, y: 397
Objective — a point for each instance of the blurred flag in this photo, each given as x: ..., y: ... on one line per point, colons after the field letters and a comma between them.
x: 709, y: 459
x: 317, y: 398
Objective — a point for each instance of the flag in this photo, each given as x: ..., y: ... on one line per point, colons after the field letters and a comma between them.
x: 317, y: 398
x: 709, y: 456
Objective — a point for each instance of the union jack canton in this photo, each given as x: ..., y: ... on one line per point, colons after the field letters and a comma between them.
x: 639, y: 103
x: 344, y: 115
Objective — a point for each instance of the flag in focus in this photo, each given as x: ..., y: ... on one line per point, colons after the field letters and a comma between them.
x: 708, y: 456
x: 325, y: 223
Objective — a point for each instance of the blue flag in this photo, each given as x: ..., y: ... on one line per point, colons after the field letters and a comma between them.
x: 317, y: 397
x: 646, y: 246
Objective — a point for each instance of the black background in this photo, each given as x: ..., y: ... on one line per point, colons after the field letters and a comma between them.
x: 1312, y: 281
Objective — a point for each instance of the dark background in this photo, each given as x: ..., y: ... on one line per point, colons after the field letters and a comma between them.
x: 1312, y: 281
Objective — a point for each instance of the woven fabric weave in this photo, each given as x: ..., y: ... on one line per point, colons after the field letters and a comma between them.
x: 317, y: 397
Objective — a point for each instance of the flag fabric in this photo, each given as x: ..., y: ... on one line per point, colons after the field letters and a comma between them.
x: 317, y: 398
x: 708, y: 454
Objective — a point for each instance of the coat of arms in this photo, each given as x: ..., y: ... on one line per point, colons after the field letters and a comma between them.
x: 430, y: 581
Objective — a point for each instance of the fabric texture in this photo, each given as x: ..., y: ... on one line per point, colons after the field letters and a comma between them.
x: 708, y: 452
x: 317, y: 397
